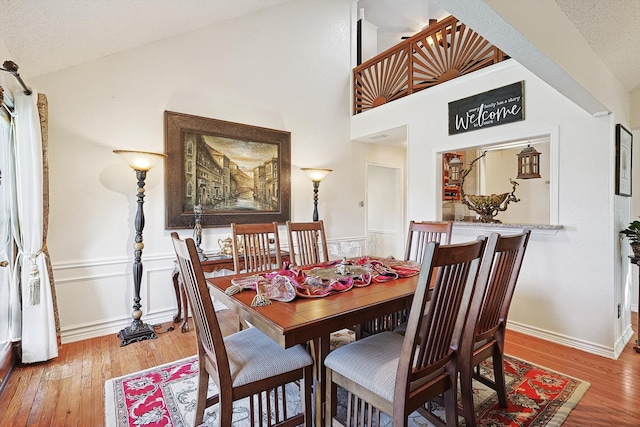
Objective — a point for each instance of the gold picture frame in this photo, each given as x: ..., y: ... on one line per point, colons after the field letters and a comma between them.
x: 235, y: 172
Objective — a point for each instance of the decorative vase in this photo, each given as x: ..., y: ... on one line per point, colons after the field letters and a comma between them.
x: 487, y: 207
x: 635, y: 247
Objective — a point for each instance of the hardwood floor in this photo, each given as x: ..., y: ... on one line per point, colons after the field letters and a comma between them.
x: 68, y: 391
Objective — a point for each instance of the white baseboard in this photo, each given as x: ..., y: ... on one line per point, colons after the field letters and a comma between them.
x: 88, y: 331
x: 589, y: 347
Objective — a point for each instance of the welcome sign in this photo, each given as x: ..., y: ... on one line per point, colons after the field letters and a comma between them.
x: 495, y: 107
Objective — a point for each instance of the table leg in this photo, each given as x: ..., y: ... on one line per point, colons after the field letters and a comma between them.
x: 183, y: 302
x: 320, y: 350
x: 176, y: 289
x: 184, y: 326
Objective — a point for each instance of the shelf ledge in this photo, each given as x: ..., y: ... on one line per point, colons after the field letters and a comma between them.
x: 498, y: 227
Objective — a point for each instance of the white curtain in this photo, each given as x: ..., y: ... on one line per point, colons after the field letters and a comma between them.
x: 37, y: 326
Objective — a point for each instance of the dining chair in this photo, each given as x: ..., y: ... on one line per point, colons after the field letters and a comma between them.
x: 420, y: 233
x: 395, y: 374
x: 258, y: 245
x: 244, y: 364
x: 485, y: 337
x: 307, y: 243
x: 423, y: 232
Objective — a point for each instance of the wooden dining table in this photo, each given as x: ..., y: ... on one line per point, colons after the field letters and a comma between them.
x: 306, y: 320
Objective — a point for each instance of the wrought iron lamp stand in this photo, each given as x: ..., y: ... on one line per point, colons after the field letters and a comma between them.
x: 140, y: 162
x: 138, y: 330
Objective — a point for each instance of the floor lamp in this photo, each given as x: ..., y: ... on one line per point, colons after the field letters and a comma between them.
x: 140, y: 162
x: 316, y: 176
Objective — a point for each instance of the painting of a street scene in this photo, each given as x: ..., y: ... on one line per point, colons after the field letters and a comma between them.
x: 229, y: 175
x: 226, y: 172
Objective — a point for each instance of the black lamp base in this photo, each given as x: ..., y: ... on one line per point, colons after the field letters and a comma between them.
x: 133, y: 333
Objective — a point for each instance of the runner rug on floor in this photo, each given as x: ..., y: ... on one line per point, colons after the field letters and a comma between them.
x: 165, y: 396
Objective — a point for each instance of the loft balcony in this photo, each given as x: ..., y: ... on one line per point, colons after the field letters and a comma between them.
x: 443, y: 51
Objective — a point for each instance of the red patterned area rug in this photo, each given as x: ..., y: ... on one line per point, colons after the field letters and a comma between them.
x: 165, y: 396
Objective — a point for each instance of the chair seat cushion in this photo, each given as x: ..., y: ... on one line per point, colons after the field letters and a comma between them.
x: 371, y: 362
x: 253, y: 356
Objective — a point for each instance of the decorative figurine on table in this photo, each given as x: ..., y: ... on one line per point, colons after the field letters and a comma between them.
x: 226, y: 246
x: 197, y: 231
x: 343, y: 268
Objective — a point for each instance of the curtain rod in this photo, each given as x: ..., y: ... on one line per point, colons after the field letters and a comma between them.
x: 12, y: 67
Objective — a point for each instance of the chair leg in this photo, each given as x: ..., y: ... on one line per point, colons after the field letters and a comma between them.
x: 306, y: 390
x: 466, y: 390
x: 451, y: 403
x: 201, y: 400
x: 225, y: 412
x: 328, y: 412
x: 498, y: 372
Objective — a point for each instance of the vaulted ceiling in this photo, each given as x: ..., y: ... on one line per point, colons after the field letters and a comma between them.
x: 45, y: 36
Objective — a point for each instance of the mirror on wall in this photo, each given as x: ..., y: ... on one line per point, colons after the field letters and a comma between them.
x: 491, y: 174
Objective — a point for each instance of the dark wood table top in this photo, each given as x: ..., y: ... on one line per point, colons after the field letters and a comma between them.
x: 304, y: 319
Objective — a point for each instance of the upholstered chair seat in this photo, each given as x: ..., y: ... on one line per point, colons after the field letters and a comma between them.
x: 253, y: 356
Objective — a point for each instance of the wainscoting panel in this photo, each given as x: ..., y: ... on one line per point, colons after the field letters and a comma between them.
x: 95, y: 297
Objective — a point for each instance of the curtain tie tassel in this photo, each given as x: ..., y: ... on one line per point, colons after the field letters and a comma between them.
x: 34, y: 285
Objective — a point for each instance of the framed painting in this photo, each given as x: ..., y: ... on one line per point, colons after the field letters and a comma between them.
x: 624, y: 147
x: 231, y: 172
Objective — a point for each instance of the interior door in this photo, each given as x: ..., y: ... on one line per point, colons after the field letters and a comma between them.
x: 385, y: 211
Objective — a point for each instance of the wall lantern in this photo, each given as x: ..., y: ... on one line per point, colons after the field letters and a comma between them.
x: 528, y: 163
x: 455, y: 170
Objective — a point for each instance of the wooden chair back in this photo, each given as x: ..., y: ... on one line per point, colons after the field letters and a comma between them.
x: 266, y: 385
x: 423, y: 232
x: 452, y: 276
x: 211, y: 349
x: 484, y: 338
x: 257, y: 245
x: 510, y: 252
x: 420, y: 233
x: 307, y: 243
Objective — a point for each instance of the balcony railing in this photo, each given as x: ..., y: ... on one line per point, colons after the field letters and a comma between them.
x: 441, y: 52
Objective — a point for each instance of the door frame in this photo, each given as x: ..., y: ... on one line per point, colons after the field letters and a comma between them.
x: 401, y: 224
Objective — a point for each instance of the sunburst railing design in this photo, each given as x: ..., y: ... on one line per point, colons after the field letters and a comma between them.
x: 441, y: 52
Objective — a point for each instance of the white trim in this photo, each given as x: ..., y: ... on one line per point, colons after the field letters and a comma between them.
x: 567, y: 341
x: 113, y: 326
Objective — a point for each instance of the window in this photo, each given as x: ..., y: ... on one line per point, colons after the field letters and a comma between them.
x: 491, y: 174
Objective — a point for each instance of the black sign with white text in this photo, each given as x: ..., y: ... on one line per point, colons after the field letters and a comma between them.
x: 495, y: 107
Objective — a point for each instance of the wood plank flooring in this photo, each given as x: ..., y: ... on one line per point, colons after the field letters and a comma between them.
x: 68, y: 391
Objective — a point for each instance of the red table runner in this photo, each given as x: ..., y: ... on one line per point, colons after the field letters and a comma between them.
x: 321, y: 280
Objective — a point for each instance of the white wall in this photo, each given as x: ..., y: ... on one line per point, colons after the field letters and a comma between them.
x: 534, y: 205
x: 5, y: 78
x: 284, y: 68
x: 571, y: 281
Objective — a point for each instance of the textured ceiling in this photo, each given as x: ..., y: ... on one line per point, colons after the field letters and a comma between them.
x: 43, y: 36
x: 48, y: 35
x: 610, y: 27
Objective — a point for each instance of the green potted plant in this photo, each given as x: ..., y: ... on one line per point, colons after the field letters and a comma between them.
x: 632, y: 232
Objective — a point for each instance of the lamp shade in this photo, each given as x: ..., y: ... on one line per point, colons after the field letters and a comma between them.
x: 316, y: 174
x: 140, y: 160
